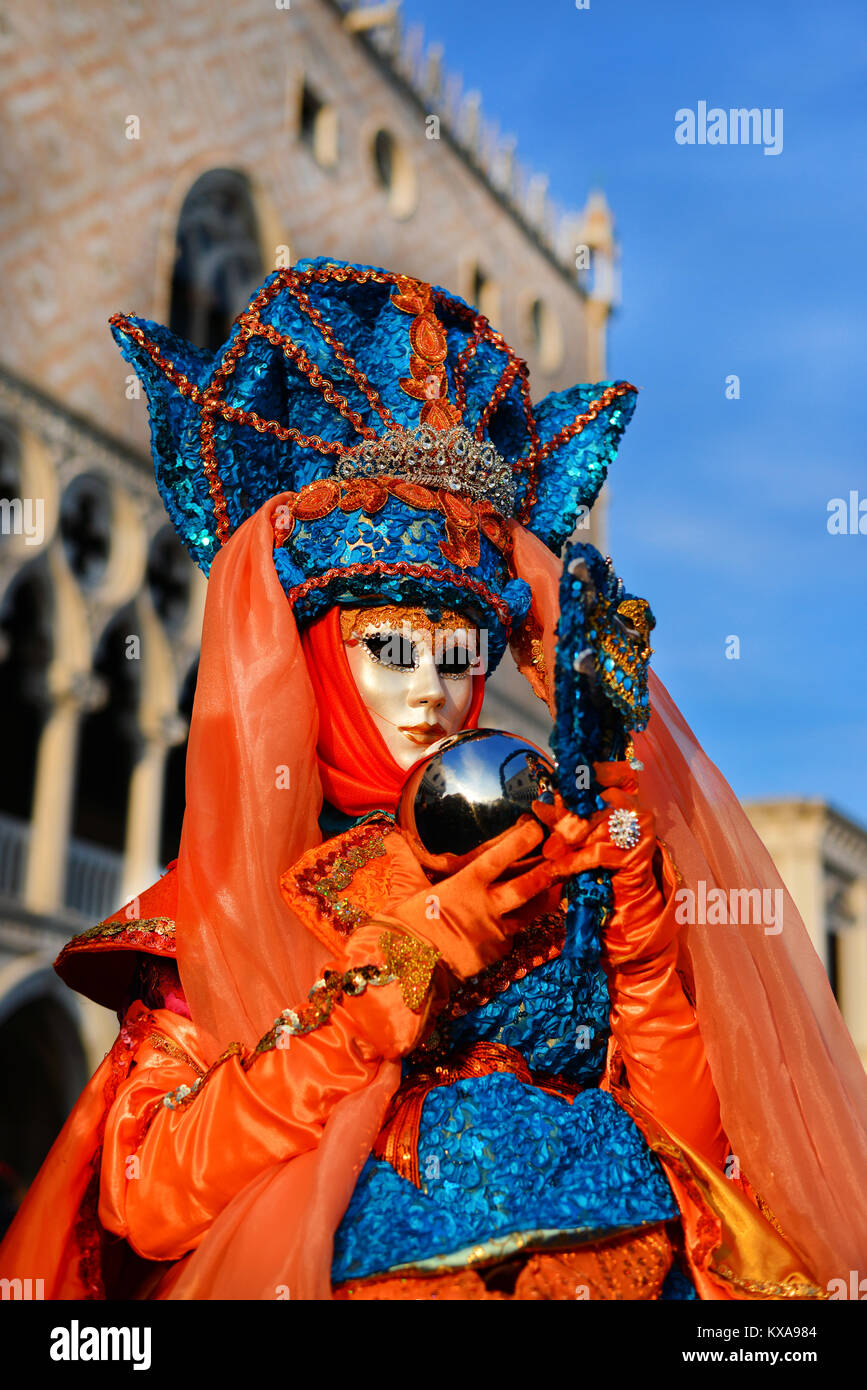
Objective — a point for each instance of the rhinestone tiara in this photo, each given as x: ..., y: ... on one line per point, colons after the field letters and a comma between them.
x: 451, y: 458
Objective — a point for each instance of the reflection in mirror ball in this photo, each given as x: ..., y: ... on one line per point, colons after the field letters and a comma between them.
x: 475, y: 786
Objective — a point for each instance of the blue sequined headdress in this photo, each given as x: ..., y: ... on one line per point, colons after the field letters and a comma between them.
x: 400, y: 422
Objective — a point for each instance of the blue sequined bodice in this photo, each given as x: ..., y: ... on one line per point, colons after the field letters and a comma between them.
x: 504, y: 1164
x: 557, y: 1015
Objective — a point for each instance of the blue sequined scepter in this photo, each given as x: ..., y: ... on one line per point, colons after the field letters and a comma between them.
x: 601, y: 675
x: 601, y: 692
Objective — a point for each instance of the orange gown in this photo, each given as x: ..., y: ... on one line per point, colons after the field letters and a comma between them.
x: 177, y: 1140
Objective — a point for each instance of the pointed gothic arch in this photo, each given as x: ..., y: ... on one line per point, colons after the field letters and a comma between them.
x: 218, y: 258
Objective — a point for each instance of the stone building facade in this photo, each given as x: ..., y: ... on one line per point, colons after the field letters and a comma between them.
x: 161, y: 158
x: 822, y: 858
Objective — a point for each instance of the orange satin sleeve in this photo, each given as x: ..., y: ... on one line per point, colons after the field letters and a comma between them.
x: 652, y: 1020
x: 169, y: 1170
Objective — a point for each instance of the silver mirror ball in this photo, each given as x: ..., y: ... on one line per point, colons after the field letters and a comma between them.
x: 474, y: 787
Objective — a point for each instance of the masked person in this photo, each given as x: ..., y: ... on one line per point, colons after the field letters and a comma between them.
x: 335, y: 1077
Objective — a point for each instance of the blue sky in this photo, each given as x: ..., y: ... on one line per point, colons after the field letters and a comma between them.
x: 733, y: 261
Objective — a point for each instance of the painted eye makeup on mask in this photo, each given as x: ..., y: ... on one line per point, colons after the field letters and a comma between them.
x: 397, y: 652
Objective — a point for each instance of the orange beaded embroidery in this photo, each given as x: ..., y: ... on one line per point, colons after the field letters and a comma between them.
x: 315, y: 886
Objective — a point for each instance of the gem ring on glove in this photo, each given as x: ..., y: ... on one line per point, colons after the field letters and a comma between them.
x: 624, y: 828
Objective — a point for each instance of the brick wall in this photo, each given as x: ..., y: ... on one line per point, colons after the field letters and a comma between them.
x: 87, y: 216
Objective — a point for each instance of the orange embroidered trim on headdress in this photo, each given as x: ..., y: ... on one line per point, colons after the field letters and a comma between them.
x: 465, y: 520
x: 427, y: 380
x: 473, y: 586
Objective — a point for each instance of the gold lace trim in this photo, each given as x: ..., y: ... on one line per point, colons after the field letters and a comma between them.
x: 172, y: 1049
x: 107, y: 931
x: 357, y: 622
x: 412, y: 963
x: 793, y: 1287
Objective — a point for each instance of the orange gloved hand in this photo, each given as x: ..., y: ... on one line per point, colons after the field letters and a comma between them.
x: 638, y: 927
x: 469, y: 917
x: 651, y: 1018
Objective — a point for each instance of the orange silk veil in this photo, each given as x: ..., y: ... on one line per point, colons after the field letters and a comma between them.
x: 254, y: 792
x: 793, y: 1092
x: 790, y: 1083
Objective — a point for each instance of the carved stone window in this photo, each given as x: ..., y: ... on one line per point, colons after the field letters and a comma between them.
x: 169, y: 575
x: 10, y: 460
x: 483, y: 291
x: 26, y: 650
x: 317, y: 127
x: 41, y: 1056
x: 546, y: 335
x: 110, y: 739
x: 174, y: 786
x: 394, y: 173
x: 85, y: 527
x: 218, y: 264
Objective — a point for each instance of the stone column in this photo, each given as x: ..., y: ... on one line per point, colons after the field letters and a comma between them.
x: 54, y: 788
x: 852, y: 971
x: 142, y: 866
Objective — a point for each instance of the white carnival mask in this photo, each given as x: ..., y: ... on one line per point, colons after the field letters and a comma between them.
x: 414, y: 674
